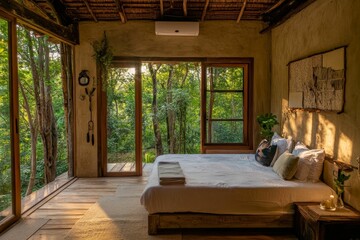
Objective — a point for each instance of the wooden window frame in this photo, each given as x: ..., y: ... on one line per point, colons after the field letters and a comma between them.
x: 247, y: 145
x: 14, y: 116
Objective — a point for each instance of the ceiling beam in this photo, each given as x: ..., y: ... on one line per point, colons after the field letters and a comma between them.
x: 161, y: 7
x: 241, y: 11
x: 205, y: 10
x: 68, y: 34
x: 185, y: 7
x: 60, y: 10
x: 283, y: 11
x: 90, y: 11
x: 121, y: 11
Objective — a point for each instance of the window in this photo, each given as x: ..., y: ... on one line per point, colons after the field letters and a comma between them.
x: 226, y: 106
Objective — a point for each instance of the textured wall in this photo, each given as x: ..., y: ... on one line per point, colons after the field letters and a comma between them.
x: 324, y: 25
x: 137, y: 38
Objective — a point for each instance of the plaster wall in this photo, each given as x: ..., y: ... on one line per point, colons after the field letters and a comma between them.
x: 322, y: 26
x: 138, y: 39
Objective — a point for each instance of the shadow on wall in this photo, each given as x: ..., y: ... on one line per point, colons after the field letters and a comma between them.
x: 332, y: 132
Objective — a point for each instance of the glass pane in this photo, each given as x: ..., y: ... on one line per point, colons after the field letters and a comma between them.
x: 5, y: 146
x: 121, y: 120
x: 225, y: 131
x: 42, y: 124
x: 171, y: 109
x: 225, y: 78
x: 224, y: 105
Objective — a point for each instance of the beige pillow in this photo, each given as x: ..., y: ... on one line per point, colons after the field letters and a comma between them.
x: 286, y: 165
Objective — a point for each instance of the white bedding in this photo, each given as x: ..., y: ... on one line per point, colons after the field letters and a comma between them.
x: 227, y: 184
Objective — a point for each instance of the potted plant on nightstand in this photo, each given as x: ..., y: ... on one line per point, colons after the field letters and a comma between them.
x: 267, y: 121
x: 340, y: 179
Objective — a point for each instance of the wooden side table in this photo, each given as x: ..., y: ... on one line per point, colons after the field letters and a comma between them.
x: 312, y: 223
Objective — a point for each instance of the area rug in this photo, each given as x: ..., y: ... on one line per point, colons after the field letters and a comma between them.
x: 115, y: 217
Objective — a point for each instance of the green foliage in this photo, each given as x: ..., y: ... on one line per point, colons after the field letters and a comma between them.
x: 267, y: 121
x: 340, y: 181
x: 149, y: 157
x: 103, y: 56
x: 185, y: 103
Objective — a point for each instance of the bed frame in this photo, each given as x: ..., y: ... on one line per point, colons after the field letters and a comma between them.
x: 161, y: 221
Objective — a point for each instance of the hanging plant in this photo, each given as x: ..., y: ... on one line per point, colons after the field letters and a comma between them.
x: 103, y: 56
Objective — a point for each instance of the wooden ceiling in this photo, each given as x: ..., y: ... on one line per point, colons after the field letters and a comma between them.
x: 59, y: 18
x: 125, y: 10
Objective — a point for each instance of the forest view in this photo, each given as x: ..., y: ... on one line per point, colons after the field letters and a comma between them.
x: 42, y: 128
x: 171, y: 109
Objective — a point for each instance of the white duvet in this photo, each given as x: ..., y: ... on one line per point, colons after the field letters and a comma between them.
x: 227, y: 184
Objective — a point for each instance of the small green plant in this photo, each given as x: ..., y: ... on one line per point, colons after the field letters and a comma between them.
x: 267, y: 121
x: 149, y: 157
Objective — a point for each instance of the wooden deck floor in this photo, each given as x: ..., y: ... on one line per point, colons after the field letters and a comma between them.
x: 121, y: 167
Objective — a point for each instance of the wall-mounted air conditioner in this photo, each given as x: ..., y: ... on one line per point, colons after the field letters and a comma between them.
x: 177, y: 28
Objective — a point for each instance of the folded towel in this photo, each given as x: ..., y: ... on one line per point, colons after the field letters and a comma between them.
x: 170, y: 173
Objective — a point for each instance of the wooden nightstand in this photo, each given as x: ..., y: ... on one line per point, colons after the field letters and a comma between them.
x: 312, y: 223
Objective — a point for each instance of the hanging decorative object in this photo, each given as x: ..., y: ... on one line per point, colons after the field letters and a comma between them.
x: 103, y: 56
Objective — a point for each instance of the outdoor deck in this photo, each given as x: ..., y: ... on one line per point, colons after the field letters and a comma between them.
x: 121, y: 167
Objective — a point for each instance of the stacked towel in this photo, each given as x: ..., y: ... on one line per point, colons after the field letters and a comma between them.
x: 170, y: 173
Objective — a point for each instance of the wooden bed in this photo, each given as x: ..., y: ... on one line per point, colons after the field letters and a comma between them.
x: 237, y: 202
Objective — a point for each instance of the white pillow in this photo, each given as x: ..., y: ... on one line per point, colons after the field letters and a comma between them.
x: 310, y: 164
x: 282, y: 144
x: 299, y: 147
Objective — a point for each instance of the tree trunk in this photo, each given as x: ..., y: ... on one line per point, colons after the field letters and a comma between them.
x: 182, y: 115
x: 155, y: 120
x: 46, y: 118
x: 67, y: 85
x: 48, y: 129
x: 170, y: 113
x: 210, y: 108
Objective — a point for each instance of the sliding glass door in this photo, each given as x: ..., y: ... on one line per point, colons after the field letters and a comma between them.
x: 9, y: 184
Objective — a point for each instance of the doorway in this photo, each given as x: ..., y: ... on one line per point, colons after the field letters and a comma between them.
x: 121, y: 118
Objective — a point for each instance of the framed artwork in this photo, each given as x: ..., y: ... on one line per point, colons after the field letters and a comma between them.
x: 318, y: 82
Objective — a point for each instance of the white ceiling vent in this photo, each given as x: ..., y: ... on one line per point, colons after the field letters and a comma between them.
x: 177, y: 28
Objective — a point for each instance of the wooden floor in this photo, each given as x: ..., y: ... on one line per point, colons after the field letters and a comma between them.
x: 69, y: 205
x: 71, y: 202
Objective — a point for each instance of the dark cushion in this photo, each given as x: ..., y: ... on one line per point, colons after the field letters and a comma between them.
x: 265, y: 152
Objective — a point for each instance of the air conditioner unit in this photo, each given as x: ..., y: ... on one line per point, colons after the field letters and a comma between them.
x: 177, y: 28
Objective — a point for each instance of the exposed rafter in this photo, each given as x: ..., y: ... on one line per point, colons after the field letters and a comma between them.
x: 68, y: 34
x: 90, y: 11
x: 205, y: 10
x: 241, y: 11
x: 127, y: 10
x: 121, y: 11
x: 185, y: 7
x: 282, y: 11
